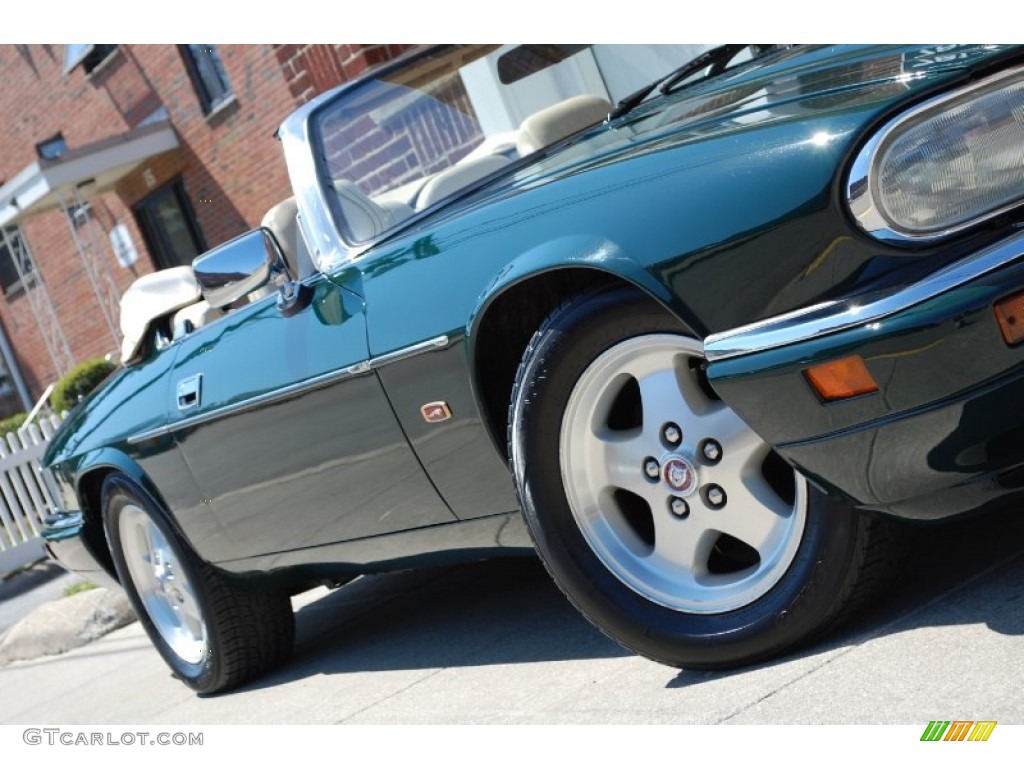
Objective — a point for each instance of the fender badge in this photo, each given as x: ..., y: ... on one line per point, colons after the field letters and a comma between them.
x: 436, y: 412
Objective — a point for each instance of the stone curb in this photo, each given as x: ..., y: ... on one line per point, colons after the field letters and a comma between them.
x: 66, y: 623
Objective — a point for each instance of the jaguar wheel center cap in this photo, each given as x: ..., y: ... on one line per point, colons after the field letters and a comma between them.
x: 679, y: 475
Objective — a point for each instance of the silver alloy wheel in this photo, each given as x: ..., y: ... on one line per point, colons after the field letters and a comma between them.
x: 162, y: 584
x: 663, y: 534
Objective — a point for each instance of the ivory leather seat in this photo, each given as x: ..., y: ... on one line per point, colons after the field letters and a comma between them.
x: 151, y: 297
x: 458, y: 176
x: 552, y: 124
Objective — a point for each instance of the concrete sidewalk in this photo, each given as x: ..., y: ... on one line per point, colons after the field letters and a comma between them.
x: 497, y: 643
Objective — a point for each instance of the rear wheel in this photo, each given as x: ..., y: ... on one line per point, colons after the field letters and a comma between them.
x: 665, y: 519
x: 214, y: 633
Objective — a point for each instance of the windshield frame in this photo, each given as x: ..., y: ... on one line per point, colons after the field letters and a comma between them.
x: 320, y: 218
x: 327, y: 249
x: 322, y: 223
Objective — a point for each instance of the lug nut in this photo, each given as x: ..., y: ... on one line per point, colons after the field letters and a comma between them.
x: 712, y: 450
x: 672, y: 434
x: 651, y: 469
x: 715, y: 496
x: 679, y: 507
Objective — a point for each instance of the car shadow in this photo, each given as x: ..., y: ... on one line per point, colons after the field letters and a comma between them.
x: 508, y: 611
x: 503, y: 611
x: 969, y: 571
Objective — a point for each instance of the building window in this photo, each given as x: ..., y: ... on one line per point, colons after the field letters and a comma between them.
x: 13, y: 255
x: 97, y: 56
x: 208, y: 76
x: 169, y: 226
x: 52, y: 148
x: 89, y: 55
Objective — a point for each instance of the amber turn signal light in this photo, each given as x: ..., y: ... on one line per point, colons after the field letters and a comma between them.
x: 1010, y: 315
x: 841, y: 379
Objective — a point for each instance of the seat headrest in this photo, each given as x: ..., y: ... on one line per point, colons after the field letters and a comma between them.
x: 554, y: 123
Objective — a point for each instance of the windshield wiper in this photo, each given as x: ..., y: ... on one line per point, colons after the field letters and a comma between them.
x: 716, y: 58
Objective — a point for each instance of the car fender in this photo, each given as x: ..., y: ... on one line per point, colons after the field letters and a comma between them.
x: 586, y: 251
x: 581, y: 252
x: 112, y: 459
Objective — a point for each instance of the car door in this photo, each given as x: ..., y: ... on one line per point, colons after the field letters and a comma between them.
x: 288, y: 433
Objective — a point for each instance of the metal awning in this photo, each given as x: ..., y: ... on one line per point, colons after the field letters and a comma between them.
x: 66, y: 183
x: 83, y: 172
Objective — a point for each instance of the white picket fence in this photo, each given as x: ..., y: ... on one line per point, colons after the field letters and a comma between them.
x: 24, y: 498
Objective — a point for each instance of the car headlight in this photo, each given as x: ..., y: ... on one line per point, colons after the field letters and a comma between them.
x: 947, y: 164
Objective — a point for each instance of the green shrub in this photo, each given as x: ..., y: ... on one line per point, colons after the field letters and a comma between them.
x: 82, y: 380
x: 11, y: 423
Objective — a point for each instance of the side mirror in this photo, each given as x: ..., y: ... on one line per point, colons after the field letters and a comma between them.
x: 238, y: 267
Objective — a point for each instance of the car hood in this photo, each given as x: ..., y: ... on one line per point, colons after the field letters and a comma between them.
x: 739, y: 174
x: 795, y: 84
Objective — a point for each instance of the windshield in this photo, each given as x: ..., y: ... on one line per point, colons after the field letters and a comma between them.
x: 404, y: 142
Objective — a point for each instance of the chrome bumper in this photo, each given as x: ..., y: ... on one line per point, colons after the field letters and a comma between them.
x: 833, y: 316
x: 60, y: 526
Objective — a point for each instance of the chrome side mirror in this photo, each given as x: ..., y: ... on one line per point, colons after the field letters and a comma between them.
x: 238, y: 267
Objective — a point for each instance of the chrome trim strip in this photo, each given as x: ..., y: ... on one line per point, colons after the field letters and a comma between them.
x: 300, y: 387
x: 149, y: 434
x: 438, y: 342
x: 317, y: 382
x: 860, y: 185
x: 834, y: 316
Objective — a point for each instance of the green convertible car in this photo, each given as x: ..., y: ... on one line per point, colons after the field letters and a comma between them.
x: 695, y: 330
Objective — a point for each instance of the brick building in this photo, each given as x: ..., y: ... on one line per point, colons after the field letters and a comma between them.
x: 119, y: 160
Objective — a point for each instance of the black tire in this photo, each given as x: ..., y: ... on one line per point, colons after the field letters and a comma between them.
x: 222, y: 634
x: 837, y: 560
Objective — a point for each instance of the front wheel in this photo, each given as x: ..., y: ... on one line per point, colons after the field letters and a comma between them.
x: 663, y: 517
x: 214, y: 633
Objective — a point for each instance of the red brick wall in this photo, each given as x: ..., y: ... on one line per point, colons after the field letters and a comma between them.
x: 231, y: 165
x: 424, y: 138
x: 377, y: 156
x: 312, y: 69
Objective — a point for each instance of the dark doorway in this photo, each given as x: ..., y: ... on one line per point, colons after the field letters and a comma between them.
x: 169, y: 226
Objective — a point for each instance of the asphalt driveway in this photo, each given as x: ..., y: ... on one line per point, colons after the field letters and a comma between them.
x: 495, y: 642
